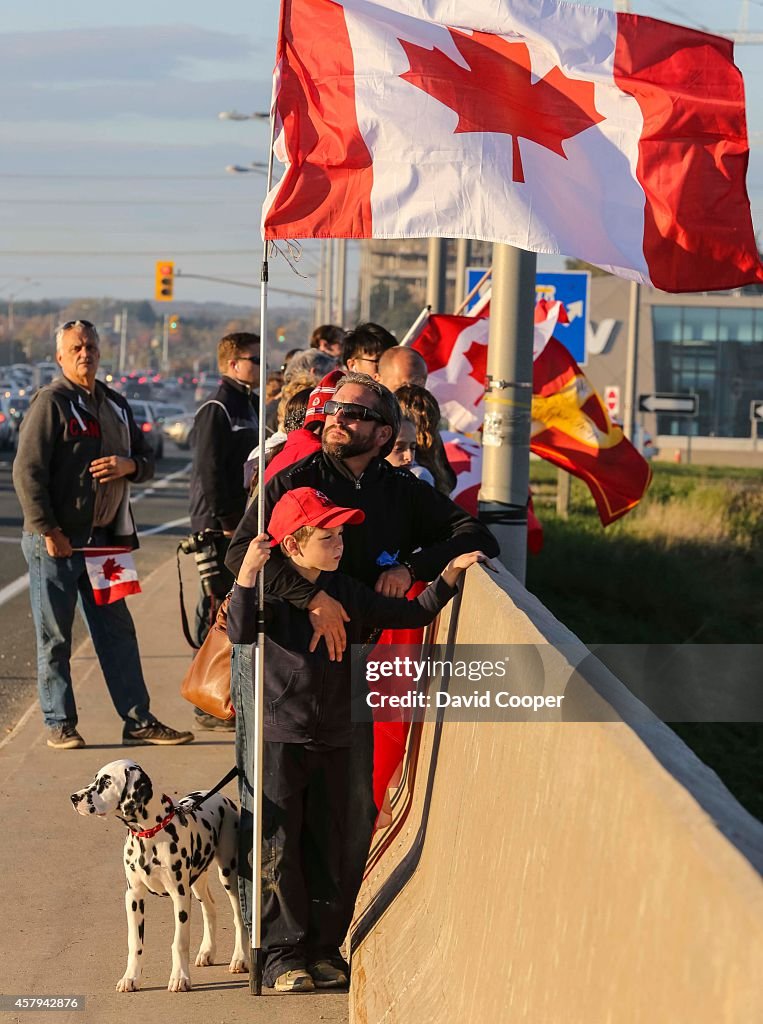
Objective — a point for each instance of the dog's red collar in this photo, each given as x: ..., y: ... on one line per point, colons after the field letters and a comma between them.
x: 149, y: 832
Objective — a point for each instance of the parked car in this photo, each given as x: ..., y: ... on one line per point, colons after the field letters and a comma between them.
x: 208, y: 383
x: 136, y: 388
x: 17, y: 407
x: 148, y: 423
x: 178, y: 429
x: 7, y: 428
x: 164, y: 411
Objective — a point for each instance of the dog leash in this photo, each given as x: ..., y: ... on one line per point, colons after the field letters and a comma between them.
x: 223, y: 782
x: 151, y: 832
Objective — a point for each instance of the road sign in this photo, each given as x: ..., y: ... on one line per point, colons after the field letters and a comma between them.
x: 756, y: 410
x: 570, y: 287
x: 612, y: 399
x: 675, y: 404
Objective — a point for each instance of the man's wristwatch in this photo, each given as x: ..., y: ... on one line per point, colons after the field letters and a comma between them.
x: 409, y: 567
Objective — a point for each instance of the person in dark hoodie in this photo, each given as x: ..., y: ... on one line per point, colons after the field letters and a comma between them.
x: 79, y: 447
x: 307, y: 733
x: 225, y: 431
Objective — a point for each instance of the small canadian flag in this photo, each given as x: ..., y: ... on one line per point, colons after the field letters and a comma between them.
x: 112, y: 574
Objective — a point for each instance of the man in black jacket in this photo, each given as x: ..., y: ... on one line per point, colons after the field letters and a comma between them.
x: 410, y: 532
x: 225, y: 431
x: 78, y: 448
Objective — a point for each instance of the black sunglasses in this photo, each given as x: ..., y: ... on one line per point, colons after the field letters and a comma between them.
x: 352, y: 411
x: 247, y: 359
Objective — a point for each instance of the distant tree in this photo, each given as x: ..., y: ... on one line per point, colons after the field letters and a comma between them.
x: 393, y: 306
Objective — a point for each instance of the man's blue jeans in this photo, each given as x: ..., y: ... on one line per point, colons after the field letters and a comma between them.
x: 56, y: 586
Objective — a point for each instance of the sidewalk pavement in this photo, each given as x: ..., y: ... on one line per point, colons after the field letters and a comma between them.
x: 61, y: 875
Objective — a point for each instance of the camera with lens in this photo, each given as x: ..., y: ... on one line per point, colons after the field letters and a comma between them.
x: 209, y: 554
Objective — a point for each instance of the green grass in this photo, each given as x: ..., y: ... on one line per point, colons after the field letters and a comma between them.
x: 686, y: 566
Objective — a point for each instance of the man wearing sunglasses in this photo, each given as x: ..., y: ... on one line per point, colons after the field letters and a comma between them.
x: 79, y: 446
x: 225, y: 431
x: 410, y: 532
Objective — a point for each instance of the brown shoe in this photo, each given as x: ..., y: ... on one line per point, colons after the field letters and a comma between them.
x: 294, y: 981
x: 64, y: 737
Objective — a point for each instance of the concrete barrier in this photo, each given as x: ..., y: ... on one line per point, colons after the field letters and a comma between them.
x: 571, y: 872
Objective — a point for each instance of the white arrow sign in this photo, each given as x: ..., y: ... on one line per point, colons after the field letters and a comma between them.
x: 681, y: 405
x: 756, y: 410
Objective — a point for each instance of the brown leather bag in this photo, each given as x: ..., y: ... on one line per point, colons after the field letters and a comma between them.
x: 207, y: 682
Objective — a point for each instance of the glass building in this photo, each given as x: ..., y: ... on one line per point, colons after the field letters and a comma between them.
x: 715, y: 353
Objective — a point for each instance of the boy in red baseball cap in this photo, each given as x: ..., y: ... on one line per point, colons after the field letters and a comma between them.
x: 307, y: 732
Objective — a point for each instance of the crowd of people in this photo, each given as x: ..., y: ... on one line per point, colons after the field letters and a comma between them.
x: 358, y: 518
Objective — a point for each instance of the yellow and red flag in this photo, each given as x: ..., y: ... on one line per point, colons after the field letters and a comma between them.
x: 571, y: 426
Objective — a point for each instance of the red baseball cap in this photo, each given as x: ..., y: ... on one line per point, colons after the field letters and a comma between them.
x: 305, y: 506
x: 321, y: 394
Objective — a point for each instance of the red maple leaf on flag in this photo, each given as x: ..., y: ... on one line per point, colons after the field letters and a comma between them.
x: 476, y: 354
x: 495, y: 93
x: 112, y: 570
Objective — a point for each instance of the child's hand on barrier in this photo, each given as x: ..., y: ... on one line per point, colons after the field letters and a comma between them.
x: 256, y: 555
x: 456, y: 566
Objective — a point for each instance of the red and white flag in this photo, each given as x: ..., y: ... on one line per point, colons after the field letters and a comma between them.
x: 112, y: 574
x: 554, y: 127
x: 570, y: 423
x: 465, y: 457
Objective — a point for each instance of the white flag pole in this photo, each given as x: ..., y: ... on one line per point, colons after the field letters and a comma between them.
x: 460, y: 309
x: 416, y: 327
x: 255, y: 974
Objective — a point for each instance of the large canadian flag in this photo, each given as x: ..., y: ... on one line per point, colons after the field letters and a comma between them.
x: 554, y: 127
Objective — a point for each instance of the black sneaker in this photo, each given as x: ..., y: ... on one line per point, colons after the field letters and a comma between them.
x: 205, y: 721
x: 136, y: 734
x: 326, y: 975
x: 64, y: 737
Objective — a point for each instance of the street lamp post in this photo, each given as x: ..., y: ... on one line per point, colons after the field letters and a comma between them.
x: 234, y: 115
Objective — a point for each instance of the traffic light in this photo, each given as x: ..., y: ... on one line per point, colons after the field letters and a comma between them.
x: 281, y: 335
x: 165, y: 281
x: 174, y: 323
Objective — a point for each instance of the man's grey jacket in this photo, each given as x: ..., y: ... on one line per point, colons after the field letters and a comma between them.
x: 59, y: 438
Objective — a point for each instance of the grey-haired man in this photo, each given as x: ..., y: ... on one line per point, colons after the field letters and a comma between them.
x: 78, y: 448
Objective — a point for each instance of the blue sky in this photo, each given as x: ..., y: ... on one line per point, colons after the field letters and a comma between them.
x: 110, y: 142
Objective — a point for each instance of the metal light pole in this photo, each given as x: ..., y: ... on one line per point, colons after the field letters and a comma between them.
x: 508, y: 400
x: 437, y: 256
x: 463, y: 253
x: 341, y: 280
x: 166, y: 343
x: 631, y: 362
x: 328, y: 302
x: 123, y: 340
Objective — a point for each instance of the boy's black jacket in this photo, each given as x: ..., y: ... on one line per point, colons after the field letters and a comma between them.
x: 402, y: 514
x: 307, y: 697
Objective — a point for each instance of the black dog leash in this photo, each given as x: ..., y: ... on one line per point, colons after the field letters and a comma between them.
x: 223, y: 782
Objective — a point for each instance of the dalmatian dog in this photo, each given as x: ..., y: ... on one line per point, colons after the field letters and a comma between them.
x: 168, y: 848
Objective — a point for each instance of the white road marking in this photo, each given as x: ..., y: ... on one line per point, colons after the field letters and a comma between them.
x: 166, y: 526
x: 14, y: 589
x: 161, y: 484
